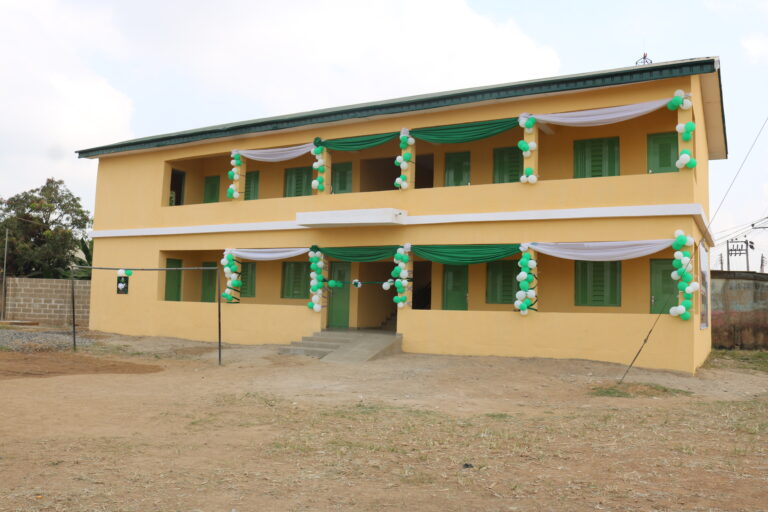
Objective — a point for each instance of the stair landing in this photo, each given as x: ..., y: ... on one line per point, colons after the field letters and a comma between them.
x: 346, y: 346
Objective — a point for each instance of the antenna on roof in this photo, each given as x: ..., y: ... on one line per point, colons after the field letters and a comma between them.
x: 644, y: 60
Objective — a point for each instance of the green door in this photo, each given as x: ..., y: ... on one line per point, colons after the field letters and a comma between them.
x: 663, y: 287
x: 338, y: 307
x: 209, y: 282
x: 211, y: 189
x: 455, y: 287
x: 172, y: 280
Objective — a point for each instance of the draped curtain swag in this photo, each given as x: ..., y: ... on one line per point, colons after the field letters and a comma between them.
x: 277, y: 154
x: 267, y: 254
x: 602, y: 251
x: 465, y: 254
x: 599, y: 116
x: 464, y: 132
x: 359, y: 143
x: 362, y: 254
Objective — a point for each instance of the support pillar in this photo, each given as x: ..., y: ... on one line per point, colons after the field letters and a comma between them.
x: 533, y: 160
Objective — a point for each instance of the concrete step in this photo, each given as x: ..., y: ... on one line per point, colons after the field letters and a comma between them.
x: 317, y: 344
x: 329, y: 339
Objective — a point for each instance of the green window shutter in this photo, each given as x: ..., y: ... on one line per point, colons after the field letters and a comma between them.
x: 252, y: 185
x: 173, y: 280
x: 295, y: 280
x: 298, y: 182
x: 457, y: 169
x: 248, y: 277
x: 211, y: 189
x: 341, y: 178
x: 598, y: 283
x: 507, y: 165
x: 594, y: 158
x: 662, y: 152
x: 501, y: 285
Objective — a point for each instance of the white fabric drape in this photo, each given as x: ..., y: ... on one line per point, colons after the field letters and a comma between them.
x: 267, y: 254
x: 602, y: 251
x: 277, y: 154
x: 599, y: 116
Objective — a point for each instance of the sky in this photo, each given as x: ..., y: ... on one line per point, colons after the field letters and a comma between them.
x: 81, y: 73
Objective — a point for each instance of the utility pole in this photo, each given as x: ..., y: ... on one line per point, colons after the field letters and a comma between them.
x: 739, y: 248
x: 728, y: 253
x: 762, y: 263
x: 5, y: 276
x: 721, y: 261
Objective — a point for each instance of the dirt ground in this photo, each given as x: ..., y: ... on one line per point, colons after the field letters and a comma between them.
x: 149, y: 424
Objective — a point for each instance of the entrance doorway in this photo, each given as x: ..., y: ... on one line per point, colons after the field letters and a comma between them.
x: 663, y: 288
x: 338, y: 303
x: 455, y: 287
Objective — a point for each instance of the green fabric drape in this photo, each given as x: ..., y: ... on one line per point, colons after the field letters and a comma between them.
x: 464, y: 132
x: 358, y: 143
x: 465, y: 254
x: 363, y: 254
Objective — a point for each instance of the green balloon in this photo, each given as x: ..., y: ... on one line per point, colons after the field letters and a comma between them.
x: 314, y: 259
x: 230, y: 257
x: 525, y: 286
x: 403, y: 177
x: 528, y: 171
x: 233, y: 267
x: 129, y: 273
x: 404, y: 138
x: 310, y: 305
x: 687, y: 278
x: 403, y: 145
x: 691, y: 163
x: 688, y: 295
x: 237, y: 283
x: 671, y: 105
x: 523, y: 306
x: 690, y: 126
x: 320, y: 179
x: 238, y: 160
x: 398, y: 256
x: 321, y: 169
x: 530, y: 122
x: 523, y: 146
x: 404, y: 258
x: 529, y: 278
x: 687, y: 304
x: 677, y: 246
x: 332, y: 283
x: 527, y: 302
x: 682, y: 286
x: 396, y: 299
x: 317, y: 150
x: 687, y: 254
x: 314, y: 267
x: 320, y: 277
x: 407, y: 157
x: 321, y: 187
x: 686, y: 152
x: 230, y: 193
x: 397, y: 163
x: 682, y: 239
x: 315, y: 287
x: 677, y: 263
x: 231, y: 175
x: 226, y: 296
x: 397, y: 185
x: 395, y: 272
x: 685, y: 316
x: 687, y: 136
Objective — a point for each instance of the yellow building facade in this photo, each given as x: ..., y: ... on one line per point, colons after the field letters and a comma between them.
x: 604, y: 150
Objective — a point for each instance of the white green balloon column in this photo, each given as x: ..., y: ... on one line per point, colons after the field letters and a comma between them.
x: 317, y: 280
x: 232, y: 273
x: 123, y: 273
x: 234, y: 175
x: 680, y: 100
x: 405, y: 159
x: 319, y: 166
x: 529, y: 175
x: 400, y: 275
x: 526, y: 296
x: 686, y: 286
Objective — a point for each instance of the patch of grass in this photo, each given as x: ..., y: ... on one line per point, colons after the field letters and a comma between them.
x: 3, y: 348
x: 743, y: 359
x: 498, y: 416
x: 632, y: 390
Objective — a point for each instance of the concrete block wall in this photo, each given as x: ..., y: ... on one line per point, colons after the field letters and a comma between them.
x: 47, y: 301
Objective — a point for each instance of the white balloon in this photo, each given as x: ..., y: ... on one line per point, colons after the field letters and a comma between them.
x: 317, y: 308
x: 236, y: 194
x: 678, y: 255
x: 533, y: 146
x: 679, y: 232
x: 532, y: 179
x: 312, y: 282
x: 404, y: 185
x: 680, y: 128
x: 518, y: 303
x: 679, y: 164
x: 675, y: 275
x: 224, y: 261
x: 523, y: 179
x: 526, y: 154
x: 689, y: 241
x: 522, y: 276
x: 398, y: 181
x: 411, y: 141
x: 524, y: 312
x: 680, y: 93
x: 315, y: 184
x: 523, y: 247
x: 531, y: 294
x: 685, y: 158
x: 689, y: 289
x: 320, y: 264
x: 400, y: 250
x: 313, y: 274
x: 401, y: 305
x: 695, y: 286
x: 532, y: 264
x: 521, y: 121
x: 316, y: 299
x: 386, y: 286
x: 685, y: 260
x: 320, y: 160
x: 401, y: 264
x: 233, y: 163
x: 404, y: 166
x: 227, y: 271
x: 318, y: 254
x: 404, y: 274
x: 689, y: 267
x: 687, y: 104
x: 673, y: 311
x: 520, y: 295
x: 404, y: 132
x: 399, y: 159
x: 407, y: 247
x: 236, y: 177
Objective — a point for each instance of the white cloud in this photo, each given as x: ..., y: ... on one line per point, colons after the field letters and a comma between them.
x: 283, y: 57
x: 756, y: 46
x: 53, y: 101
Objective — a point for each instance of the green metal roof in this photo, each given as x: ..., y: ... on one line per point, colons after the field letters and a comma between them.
x: 606, y: 78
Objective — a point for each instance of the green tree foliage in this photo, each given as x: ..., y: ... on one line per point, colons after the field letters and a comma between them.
x: 47, y: 231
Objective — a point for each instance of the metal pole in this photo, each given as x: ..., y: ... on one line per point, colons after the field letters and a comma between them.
x: 728, y: 253
x: 5, y: 275
x: 746, y: 251
x: 74, y: 331
x: 218, y: 306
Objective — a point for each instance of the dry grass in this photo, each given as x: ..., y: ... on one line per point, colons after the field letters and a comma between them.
x: 741, y: 359
x: 633, y: 390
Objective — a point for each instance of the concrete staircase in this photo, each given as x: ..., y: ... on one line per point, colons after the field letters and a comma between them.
x: 346, y: 346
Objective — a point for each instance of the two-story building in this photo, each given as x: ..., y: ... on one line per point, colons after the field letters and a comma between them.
x: 412, y: 212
